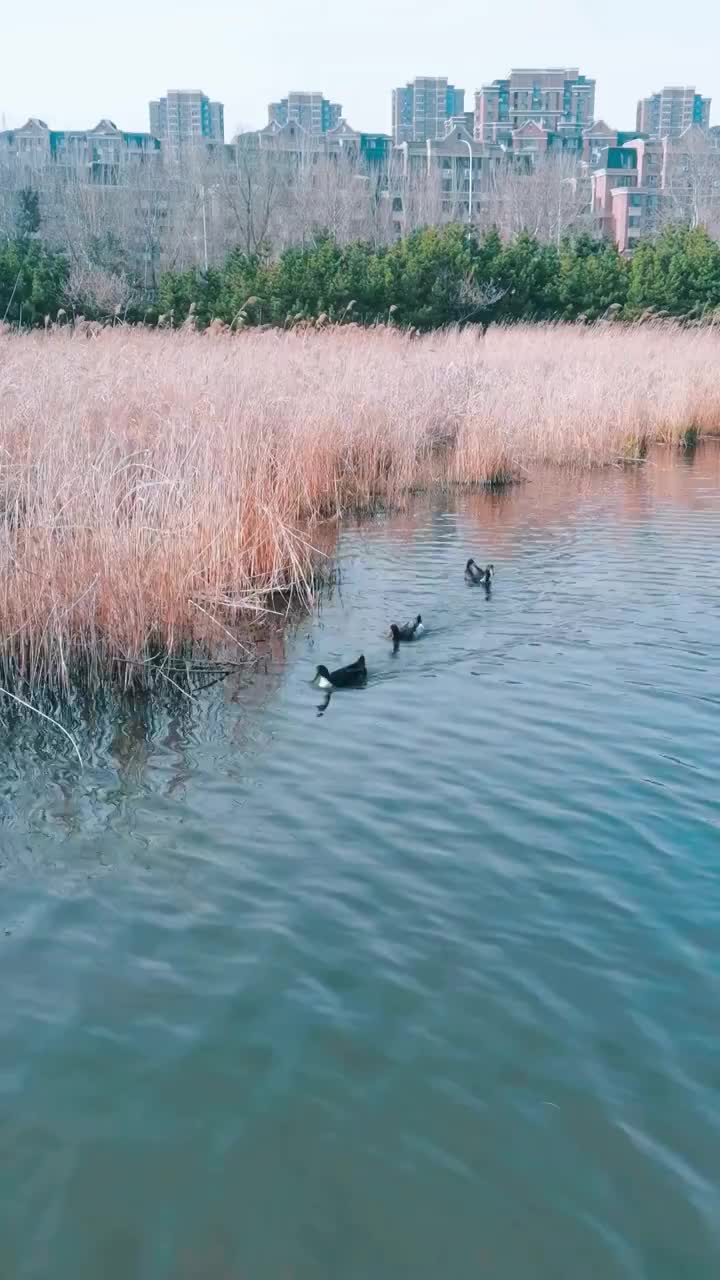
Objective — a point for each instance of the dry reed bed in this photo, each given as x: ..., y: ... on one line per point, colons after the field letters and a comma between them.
x: 155, y: 486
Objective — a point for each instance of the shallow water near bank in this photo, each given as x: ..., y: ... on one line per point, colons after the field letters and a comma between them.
x: 424, y: 985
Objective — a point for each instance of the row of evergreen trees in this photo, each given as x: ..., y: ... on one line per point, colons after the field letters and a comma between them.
x: 438, y: 276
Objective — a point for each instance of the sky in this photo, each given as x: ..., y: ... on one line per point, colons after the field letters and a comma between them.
x: 73, y: 63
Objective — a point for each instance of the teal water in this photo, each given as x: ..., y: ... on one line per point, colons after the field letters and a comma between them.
x: 425, y: 986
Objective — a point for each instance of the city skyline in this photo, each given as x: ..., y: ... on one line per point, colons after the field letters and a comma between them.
x: 629, y: 54
x: 172, y: 117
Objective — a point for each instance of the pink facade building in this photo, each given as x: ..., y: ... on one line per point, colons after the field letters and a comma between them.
x: 626, y: 191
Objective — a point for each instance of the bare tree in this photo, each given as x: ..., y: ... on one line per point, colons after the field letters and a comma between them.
x: 548, y: 199
x: 139, y: 220
x: 333, y: 192
x: 294, y: 220
x: 416, y: 190
x: 691, y: 181
x: 245, y: 192
x: 99, y: 293
x: 13, y: 180
x: 476, y: 300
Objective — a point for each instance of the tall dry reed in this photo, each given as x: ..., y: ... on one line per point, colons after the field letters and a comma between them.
x: 155, y: 486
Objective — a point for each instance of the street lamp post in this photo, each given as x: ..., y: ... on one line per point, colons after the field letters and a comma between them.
x: 204, y: 222
x: 467, y: 143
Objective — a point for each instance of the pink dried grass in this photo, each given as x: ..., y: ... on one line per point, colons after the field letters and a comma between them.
x: 154, y: 487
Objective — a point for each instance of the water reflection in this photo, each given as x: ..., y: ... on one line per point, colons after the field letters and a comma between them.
x: 422, y: 984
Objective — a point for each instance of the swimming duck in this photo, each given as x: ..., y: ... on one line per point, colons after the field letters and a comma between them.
x: 409, y: 631
x: 474, y: 574
x: 349, y: 677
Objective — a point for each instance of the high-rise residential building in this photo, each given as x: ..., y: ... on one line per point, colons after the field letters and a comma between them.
x: 670, y: 112
x: 187, y: 117
x: 422, y: 109
x: 558, y: 98
x: 314, y: 113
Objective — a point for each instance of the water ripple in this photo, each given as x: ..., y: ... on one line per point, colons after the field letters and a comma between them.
x: 427, y: 984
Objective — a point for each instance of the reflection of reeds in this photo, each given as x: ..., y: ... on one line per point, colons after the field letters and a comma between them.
x: 155, y: 487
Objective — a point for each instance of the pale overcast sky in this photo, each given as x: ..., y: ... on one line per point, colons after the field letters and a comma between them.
x: 72, y: 63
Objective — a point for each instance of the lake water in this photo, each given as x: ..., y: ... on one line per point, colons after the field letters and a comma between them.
x: 426, y: 986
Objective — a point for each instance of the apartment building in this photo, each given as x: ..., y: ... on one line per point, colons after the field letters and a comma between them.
x: 422, y: 108
x: 291, y: 143
x: 534, y: 142
x: 557, y: 98
x: 314, y: 113
x: 96, y: 152
x: 187, y: 117
x: 670, y: 112
x: 648, y: 181
x: 462, y: 167
x: 627, y: 189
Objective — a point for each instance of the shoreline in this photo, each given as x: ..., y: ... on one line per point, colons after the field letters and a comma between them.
x: 155, y: 485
